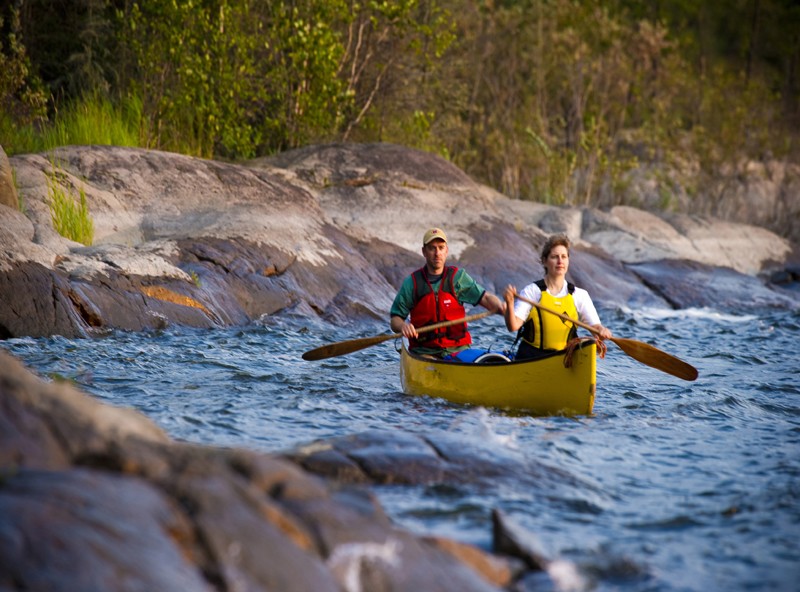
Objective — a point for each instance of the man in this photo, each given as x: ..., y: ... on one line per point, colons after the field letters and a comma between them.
x: 434, y: 293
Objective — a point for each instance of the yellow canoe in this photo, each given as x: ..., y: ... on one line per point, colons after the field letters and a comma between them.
x: 539, y: 387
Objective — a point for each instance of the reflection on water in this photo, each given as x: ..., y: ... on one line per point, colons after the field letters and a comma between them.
x: 684, y: 486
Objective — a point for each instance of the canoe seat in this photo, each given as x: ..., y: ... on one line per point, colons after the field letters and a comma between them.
x: 479, y: 356
x: 492, y: 358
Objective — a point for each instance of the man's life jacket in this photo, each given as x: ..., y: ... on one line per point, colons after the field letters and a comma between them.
x: 543, y: 330
x: 430, y: 307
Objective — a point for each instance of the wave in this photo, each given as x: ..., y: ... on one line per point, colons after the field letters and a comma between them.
x: 689, y: 313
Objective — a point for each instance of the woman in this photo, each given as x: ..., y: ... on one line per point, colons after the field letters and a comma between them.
x: 540, y: 330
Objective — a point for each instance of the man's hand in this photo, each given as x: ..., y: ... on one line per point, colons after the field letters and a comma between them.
x: 408, y: 330
x: 493, y: 303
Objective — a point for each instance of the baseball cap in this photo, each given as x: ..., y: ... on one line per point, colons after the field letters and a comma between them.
x: 432, y: 234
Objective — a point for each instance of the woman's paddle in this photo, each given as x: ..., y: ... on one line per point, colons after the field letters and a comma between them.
x: 638, y: 350
x: 346, y: 347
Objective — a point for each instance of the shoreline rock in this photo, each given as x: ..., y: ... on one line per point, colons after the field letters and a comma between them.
x: 329, y: 230
x: 98, y: 497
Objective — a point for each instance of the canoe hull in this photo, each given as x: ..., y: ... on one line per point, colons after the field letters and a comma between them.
x: 540, y: 387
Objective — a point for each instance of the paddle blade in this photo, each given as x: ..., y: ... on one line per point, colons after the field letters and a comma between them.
x: 346, y: 347
x: 655, y: 358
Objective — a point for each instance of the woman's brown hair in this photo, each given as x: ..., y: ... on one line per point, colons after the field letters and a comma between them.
x: 552, y: 242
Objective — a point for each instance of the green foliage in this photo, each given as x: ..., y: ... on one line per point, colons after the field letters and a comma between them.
x: 90, y: 120
x: 560, y: 101
x: 303, y: 73
x: 551, y: 100
x: 95, y: 120
x: 415, y: 129
x: 391, y: 64
x: 22, y: 98
x: 70, y: 215
x: 725, y: 129
x: 193, y: 67
x: 238, y: 78
x: 233, y: 79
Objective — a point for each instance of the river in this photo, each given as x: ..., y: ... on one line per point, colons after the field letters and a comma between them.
x: 690, y: 486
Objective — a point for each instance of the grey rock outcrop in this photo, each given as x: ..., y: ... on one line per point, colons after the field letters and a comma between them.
x: 325, y: 230
x: 97, y: 497
x: 8, y: 192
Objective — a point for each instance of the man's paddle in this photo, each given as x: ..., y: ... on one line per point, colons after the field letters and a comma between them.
x: 346, y: 347
x: 638, y: 350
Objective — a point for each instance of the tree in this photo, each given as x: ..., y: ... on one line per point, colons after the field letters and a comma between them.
x: 22, y: 97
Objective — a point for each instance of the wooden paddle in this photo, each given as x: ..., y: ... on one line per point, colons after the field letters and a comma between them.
x: 638, y: 350
x: 346, y: 347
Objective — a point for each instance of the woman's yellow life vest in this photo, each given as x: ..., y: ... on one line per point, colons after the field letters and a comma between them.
x: 544, y: 330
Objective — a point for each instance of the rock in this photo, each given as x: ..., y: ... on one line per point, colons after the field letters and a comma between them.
x: 215, y: 253
x: 635, y: 236
x: 765, y: 194
x: 499, y: 570
x: 88, y: 530
x: 331, y: 229
x: 8, y: 192
x: 511, y: 539
x: 81, y: 426
x: 98, y: 497
x: 390, y: 457
x: 686, y: 284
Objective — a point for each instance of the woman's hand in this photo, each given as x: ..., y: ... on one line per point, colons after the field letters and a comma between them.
x: 509, y: 295
x: 512, y: 322
x: 602, y: 332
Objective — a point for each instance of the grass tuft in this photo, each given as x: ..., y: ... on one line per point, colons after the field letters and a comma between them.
x: 20, y: 198
x: 90, y: 120
x: 70, y: 216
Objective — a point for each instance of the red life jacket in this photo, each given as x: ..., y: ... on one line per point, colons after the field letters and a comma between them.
x: 430, y: 307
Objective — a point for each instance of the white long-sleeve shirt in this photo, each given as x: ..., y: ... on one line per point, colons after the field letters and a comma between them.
x: 587, y: 313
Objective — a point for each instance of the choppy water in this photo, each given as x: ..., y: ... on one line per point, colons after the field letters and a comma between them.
x: 689, y: 486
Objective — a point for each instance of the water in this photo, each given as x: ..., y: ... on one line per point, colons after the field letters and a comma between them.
x: 685, y: 486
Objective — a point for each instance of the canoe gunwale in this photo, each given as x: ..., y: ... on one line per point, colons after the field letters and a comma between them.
x: 587, y: 342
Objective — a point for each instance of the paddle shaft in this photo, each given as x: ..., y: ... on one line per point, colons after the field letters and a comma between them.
x: 638, y: 350
x: 345, y: 347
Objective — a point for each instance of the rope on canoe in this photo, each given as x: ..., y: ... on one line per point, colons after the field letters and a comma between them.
x: 573, y: 344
